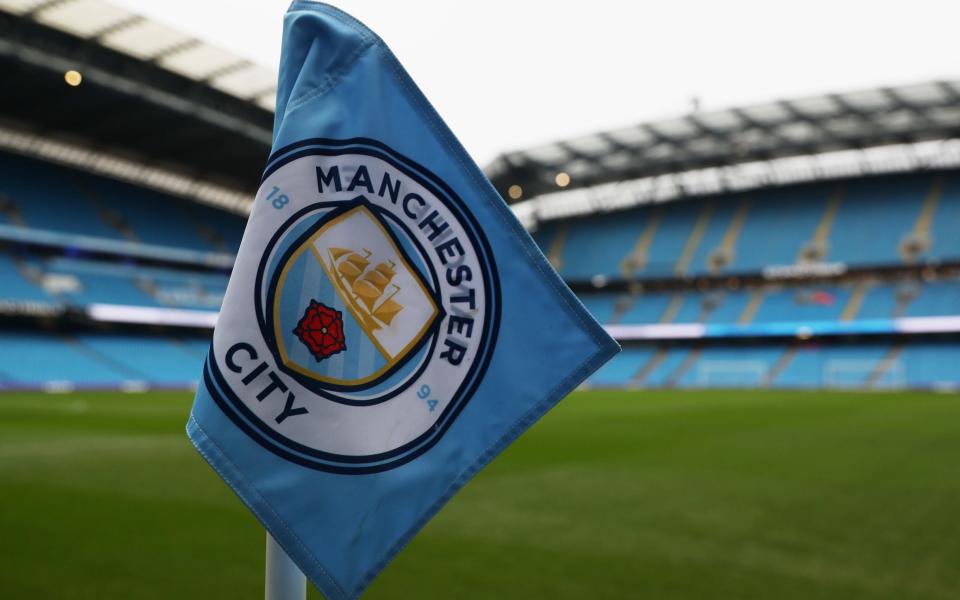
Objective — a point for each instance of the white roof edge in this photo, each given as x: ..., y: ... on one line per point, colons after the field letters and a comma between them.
x: 610, y: 197
x: 915, y: 95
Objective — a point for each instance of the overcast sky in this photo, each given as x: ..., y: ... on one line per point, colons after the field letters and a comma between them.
x: 508, y: 74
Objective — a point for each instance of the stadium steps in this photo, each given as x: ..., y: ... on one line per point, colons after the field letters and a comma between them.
x: 694, y: 239
x: 753, y: 306
x: 903, y: 304
x: 212, y: 237
x: 28, y: 272
x: 725, y: 255
x: 117, y: 222
x: 883, y: 365
x: 148, y: 287
x: 818, y: 247
x: 11, y: 212
x: 111, y: 218
x: 637, y: 259
x: 104, y: 360
x: 706, y: 308
x: 670, y: 312
x: 691, y: 359
x: 855, y: 302
x: 789, y: 353
x: 621, y: 306
x: 640, y: 377
x: 555, y: 252
x: 918, y: 241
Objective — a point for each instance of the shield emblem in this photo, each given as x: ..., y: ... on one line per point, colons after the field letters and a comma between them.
x: 350, y: 306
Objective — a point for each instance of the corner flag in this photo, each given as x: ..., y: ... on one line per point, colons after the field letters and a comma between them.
x: 389, y: 327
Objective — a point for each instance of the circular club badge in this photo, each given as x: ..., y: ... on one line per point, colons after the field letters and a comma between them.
x: 361, y: 313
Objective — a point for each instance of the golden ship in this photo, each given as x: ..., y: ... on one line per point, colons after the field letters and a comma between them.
x: 366, y: 289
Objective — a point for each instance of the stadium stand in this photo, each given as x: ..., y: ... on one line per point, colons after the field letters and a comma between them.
x: 48, y: 197
x: 658, y: 254
x: 77, y: 210
x: 153, y: 359
x: 918, y: 365
x: 97, y: 361
x: 863, y: 222
x: 122, y: 194
x: 42, y: 196
x: 15, y: 286
x: 824, y: 301
x: 812, y: 267
x: 108, y: 282
x: 801, y: 243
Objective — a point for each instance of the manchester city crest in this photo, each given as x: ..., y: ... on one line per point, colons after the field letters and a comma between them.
x: 373, y: 308
x: 348, y: 305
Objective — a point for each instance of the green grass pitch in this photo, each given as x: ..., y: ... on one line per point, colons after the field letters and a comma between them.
x: 660, y: 495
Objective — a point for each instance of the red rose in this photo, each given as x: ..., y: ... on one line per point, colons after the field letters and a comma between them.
x: 321, y: 330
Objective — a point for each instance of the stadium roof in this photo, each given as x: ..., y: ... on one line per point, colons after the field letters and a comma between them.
x: 138, y: 37
x: 764, y: 133
x: 166, y: 110
x: 151, y: 97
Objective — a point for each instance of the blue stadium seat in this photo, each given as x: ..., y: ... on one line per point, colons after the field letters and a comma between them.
x: 646, y: 308
x: 34, y: 358
x: 195, y: 346
x: 156, y: 359
x: 172, y: 226
x: 545, y: 234
x: 880, y: 302
x: 723, y: 212
x: 729, y: 305
x: 601, y: 306
x: 813, y: 303
x: 778, y: 225
x: 660, y: 375
x: 831, y: 366
x: 98, y: 360
x: 670, y: 238
x: 691, y: 309
x: 117, y: 283
x: 945, y: 243
x: 227, y: 226
x: 931, y: 364
x: 13, y: 286
x: 936, y: 299
x: 587, y: 253
x: 48, y: 197
x: 874, y: 218
x: 109, y: 289
x: 60, y: 199
x: 621, y: 368
x: 821, y: 302
x: 730, y: 366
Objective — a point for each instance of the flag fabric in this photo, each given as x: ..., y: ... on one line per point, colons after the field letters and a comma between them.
x: 388, y: 328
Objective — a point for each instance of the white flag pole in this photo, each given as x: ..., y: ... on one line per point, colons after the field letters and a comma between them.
x: 284, y: 581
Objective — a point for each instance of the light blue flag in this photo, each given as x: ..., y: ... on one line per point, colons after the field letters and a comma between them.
x: 389, y: 327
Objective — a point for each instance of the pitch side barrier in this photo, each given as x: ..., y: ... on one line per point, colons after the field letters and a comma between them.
x: 205, y: 319
x: 658, y: 331
x: 126, y: 386
x: 799, y: 329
